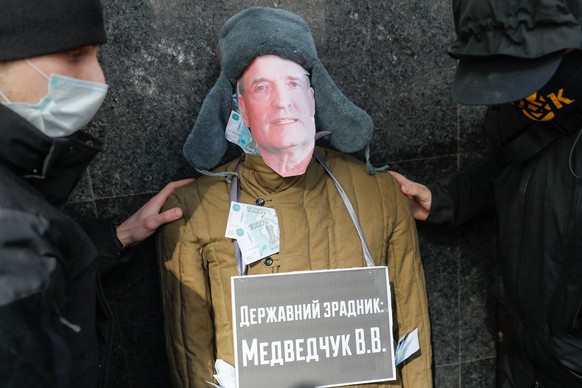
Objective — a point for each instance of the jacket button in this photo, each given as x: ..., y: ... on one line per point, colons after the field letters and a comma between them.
x: 260, y: 202
x: 268, y: 261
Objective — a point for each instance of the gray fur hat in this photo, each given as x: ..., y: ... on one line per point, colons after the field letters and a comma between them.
x: 259, y: 31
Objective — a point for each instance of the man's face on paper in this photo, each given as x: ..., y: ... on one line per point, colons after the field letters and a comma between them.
x: 278, y: 106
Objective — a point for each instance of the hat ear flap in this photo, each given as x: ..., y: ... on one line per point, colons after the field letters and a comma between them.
x: 206, y: 144
x: 351, y: 128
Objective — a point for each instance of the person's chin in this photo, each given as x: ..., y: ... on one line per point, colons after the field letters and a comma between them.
x: 288, y: 144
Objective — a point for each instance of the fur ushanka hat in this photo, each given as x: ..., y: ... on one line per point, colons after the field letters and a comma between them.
x: 259, y: 31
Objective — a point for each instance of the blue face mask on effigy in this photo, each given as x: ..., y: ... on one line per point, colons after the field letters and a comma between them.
x: 68, y: 106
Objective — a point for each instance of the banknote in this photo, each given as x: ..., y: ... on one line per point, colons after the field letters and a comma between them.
x: 243, y: 214
x: 237, y: 132
x: 256, y: 229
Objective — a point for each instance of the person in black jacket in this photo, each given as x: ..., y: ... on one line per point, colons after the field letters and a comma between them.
x: 524, y: 60
x: 55, y: 327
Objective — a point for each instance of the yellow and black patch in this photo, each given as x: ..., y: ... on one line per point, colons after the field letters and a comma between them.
x: 540, y: 107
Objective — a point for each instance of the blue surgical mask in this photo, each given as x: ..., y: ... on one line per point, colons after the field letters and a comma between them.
x: 68, y: 106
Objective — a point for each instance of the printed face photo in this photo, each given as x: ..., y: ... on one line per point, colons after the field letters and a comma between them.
x: 278, y: 105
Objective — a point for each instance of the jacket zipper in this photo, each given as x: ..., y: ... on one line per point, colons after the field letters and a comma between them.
x: 517, y: 267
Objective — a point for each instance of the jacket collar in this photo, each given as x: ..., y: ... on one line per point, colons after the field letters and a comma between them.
x: 51, y: 165
x: 254, y: 172
x: 259, y: 179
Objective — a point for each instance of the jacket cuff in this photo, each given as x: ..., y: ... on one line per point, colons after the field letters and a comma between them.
x: 110, y: 251
x: 442, y: 206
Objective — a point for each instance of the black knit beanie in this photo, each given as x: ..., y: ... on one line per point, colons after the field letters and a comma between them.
x: 259, y: 31
x: 29, y: 28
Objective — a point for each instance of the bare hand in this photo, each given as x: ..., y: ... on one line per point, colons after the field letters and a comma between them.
x: 146, y: 220
x: 420, y: 196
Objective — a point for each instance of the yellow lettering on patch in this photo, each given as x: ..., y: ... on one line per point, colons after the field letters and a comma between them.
x: 559, y: 99
x: 540, y: 108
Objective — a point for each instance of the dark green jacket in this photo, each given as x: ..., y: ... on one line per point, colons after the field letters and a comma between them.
x: 538, y: 202
x: 531, y: 183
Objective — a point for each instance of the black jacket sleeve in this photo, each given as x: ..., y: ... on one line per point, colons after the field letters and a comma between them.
x: 467, y: 195
x: 32, y: 350
x: 103, y: 237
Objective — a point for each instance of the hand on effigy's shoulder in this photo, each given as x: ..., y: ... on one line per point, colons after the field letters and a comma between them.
x: 420, y: 196
x: 143, y: 223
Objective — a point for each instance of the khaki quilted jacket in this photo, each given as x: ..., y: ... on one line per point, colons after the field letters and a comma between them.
x: 197, y: 261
